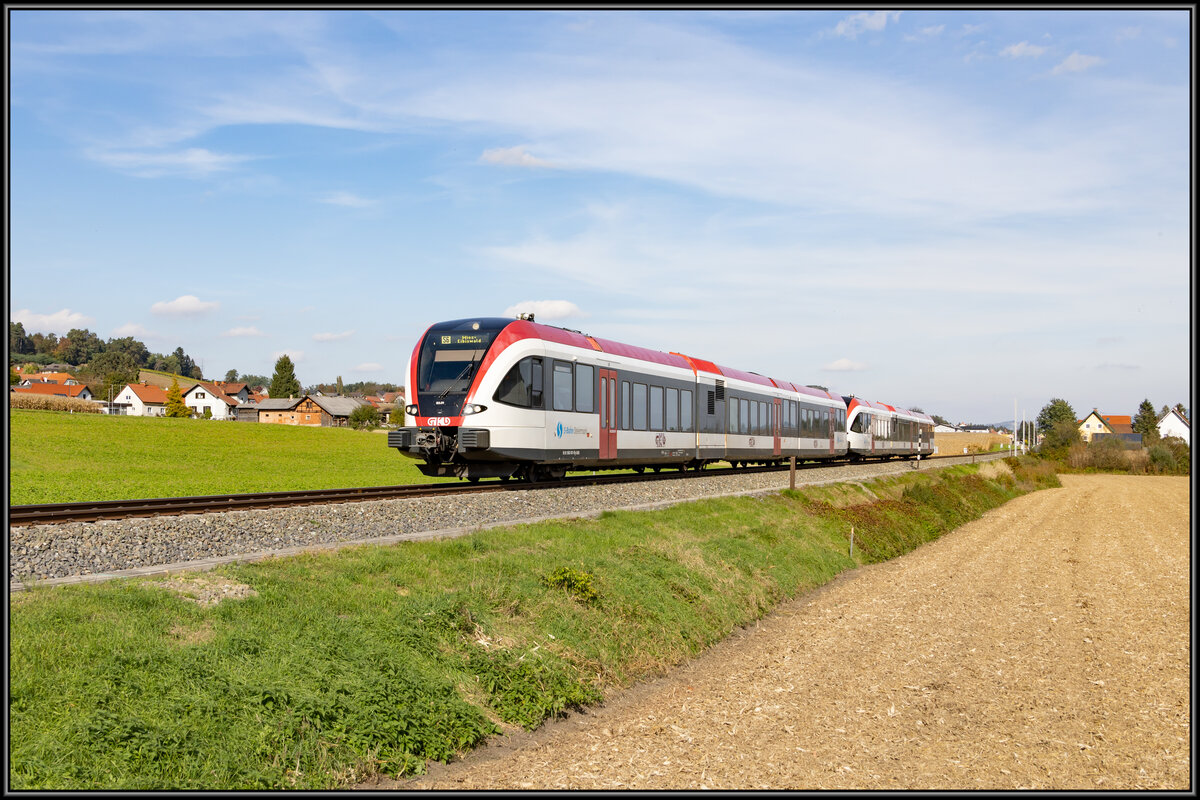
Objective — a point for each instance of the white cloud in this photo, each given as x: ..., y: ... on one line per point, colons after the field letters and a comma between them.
x: 513, y: 157
x: 925, y: 33
x: 855, y: 24
x: 1077, y: 62
x: 135, y: 330
x: 545, y: 309
x: 183, y: 306
x: 243, y: 332
x: 194, y: 162
x: 347, y: 199
x: 295, y: 355
x: 332, y: 337
x: 59, y: 323
x: 1023, y: 50
x: 368, y: 366
x: 844, y: 365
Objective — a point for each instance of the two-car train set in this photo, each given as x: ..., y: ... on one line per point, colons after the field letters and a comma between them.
x: 494, y: 397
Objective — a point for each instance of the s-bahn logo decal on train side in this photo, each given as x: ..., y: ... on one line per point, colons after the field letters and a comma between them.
x: 560, y: 430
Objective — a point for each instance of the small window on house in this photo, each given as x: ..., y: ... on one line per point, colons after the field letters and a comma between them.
x: 199, y: 395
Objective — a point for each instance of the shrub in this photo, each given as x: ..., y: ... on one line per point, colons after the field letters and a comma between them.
x: 364, y: 417
x: 577, y: 584
x: 1162, y: 459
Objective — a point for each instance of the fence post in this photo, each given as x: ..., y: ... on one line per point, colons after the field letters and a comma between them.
x: 793, y: 471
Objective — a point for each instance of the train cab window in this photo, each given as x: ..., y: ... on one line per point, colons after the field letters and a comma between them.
x: 625, y: 405
x: 585, y: 388
x: 562, y: 387
x: 685, y: 410
x: 656, y: 408
x: 522, y: 386
x: 672, y: 409
x: 639, y: 406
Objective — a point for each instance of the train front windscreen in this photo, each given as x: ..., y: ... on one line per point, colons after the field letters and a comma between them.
x: 449, y: 359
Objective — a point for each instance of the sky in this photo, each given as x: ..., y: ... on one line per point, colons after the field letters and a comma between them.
x: 964, y: 211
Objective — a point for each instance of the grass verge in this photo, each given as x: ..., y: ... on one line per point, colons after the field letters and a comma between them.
x: 329, y: 668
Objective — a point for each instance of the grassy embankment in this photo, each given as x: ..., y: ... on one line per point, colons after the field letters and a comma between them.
x: 63, y: 458
x: 374, y: 659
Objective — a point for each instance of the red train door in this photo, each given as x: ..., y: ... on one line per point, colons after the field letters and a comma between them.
x: 776, y: 421
x: 608, y: 413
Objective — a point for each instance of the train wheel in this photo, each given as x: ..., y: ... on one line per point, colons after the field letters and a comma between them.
x: 639, y: 470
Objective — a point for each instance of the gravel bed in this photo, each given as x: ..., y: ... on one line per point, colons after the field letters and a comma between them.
x: 43, y: 552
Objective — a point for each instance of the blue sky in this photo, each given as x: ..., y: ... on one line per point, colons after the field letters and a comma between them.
x: 955, y: 210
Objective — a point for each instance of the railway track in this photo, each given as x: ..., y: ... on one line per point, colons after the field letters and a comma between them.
x: 60, y: 513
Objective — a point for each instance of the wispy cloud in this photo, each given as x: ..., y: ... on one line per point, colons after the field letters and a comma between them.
x: 545, y: 309
x: 58, y: 323
x: 347, y: 199
x: 295, y: 355
x: 135, y: 330
x: 1077, y: 62
x: 855, y: 24
x: 368, y: 366
x: 195, y: 162
x: 187, y: 305
x: 244, y: 332
x: 1023, y: 50
x: 513, y: 157
x: 332, y: 337
x: 844, y: 365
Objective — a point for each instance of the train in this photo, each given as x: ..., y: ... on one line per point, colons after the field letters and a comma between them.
x: 514, y: 398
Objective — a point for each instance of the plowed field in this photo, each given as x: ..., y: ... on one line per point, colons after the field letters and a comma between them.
x: 1044, y: 646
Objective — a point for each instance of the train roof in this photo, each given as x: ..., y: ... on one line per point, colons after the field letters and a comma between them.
x: 520, y: 329
x: 858, y: 401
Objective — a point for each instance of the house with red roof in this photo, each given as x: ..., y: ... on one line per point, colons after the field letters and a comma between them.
x: 1095, y: 424
x: 141, y: 400
x: 202, y: 396
x: 76, y: 390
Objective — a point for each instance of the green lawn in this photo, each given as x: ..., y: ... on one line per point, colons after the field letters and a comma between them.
x: 375, y: 659
x: 57, y: 457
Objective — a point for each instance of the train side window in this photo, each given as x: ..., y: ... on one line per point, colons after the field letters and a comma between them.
x: 624, y: 405
x: 656, y: 408
x: 639, y: 406
x: 585, y: 388
x: 522, y: 385
x: 685, y: 410
x: 733, y: 415
x: 562, y: 387
x: 744, y: 427
x: 672, y: 409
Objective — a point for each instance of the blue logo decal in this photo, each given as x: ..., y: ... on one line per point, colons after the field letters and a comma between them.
x: 558, y: 431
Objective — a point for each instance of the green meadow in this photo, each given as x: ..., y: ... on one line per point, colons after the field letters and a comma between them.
x: 338, y: 666
x: 56, y: 457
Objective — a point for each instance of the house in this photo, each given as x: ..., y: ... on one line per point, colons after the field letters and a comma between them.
x: 394, y: 398
x: 75, y: 390
x: 1109, y: 424
x: 944, y: 429
x: 140, y: 400
x: 206, y: 396
x: 1173, y: 423
x: 62, y: 378
x: 238, y: 391
x: 308, y: 410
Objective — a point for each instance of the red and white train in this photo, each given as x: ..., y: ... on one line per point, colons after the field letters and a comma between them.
x: 495, y: 397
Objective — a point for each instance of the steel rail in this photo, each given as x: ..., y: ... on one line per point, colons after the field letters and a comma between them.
x: 92, y: 511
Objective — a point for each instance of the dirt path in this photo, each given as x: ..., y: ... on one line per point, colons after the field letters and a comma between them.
x: 1045, y: 646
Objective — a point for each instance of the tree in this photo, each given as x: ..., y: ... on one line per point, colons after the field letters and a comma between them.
x: 255, y: 380
x: 365, y: 416
x: 231, y: 376
x: 18, y: 342
x: 1145, y: 422
x: 1183, y: 412
x: 284, y: 382
x: 341, y: 390
x: 112, y: 370
x: 175, y: 404
x: 940, y: 420
x: 130, y: 346
x: 13, y: 377
x: 1057, y: 410
x: 79, y: 346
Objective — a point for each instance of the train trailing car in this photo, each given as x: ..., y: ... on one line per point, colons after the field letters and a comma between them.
x: 495, y: 397
x: 877, y: 430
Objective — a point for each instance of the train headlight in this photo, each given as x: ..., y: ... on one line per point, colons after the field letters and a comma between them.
x: 411, y: 410
x: 473, y: 408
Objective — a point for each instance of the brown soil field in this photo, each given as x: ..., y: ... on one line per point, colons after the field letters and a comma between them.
x: 1044, y: 646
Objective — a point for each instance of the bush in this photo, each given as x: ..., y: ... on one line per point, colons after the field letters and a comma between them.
x: 364, y: 417
x: 1162, y: 460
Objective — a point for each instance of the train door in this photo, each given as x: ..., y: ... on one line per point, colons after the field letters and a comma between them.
x: 832, y: 414
x: 776, y: 421
x: 608, y: 413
